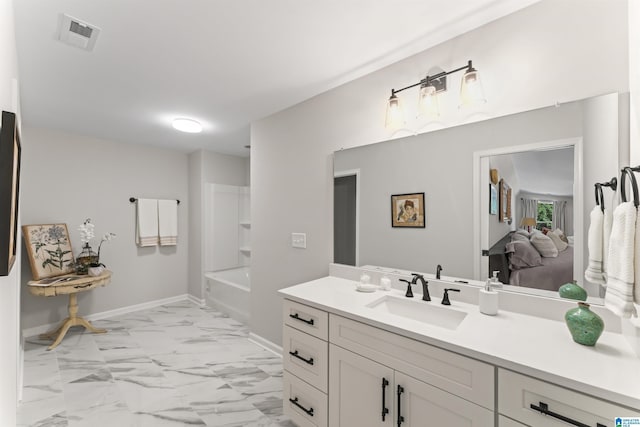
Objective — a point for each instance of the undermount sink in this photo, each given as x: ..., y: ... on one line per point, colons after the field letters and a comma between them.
x: 422, y: 311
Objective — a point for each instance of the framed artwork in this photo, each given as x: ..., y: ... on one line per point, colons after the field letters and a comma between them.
x: 49, y: 250
x: 407, y: 210
x: 9, y: 191
x: 493, y: 200
x: 505, y: 201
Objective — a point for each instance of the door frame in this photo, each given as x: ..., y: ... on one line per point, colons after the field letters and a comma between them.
x: 356, y: 173
x: 481, y: 215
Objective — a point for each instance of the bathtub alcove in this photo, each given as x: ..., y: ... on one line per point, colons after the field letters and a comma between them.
x: 227, y: 250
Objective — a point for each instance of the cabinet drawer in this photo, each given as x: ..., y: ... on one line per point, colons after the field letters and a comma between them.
x: 309, y: 406
x: 508, y: 422
x: 306, y: 357
x: 468, y: 378
x: 307, y: 319
x: 516, y: 394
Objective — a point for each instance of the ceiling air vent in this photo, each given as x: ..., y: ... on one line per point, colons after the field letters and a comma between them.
x: 76, y: 33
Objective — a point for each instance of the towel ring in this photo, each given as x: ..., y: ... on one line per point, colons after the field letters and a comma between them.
x: 599, y: 196
x: 634, y: 185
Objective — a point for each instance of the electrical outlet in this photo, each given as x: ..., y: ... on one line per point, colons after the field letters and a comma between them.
x: 299, y: 240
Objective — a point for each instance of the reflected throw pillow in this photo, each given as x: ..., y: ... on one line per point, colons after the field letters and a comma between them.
x: 544, y: 245
x: 561, y: 235
x: 557, y: 241
x: 522, y: 255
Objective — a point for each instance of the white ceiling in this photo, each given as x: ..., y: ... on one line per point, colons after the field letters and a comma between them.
x: 548, y: 172
x: 224, y: 63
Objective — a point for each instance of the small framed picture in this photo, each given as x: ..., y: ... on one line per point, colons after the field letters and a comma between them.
x: 49, y: 249
x: 493, y: 200
x: 407, y: 210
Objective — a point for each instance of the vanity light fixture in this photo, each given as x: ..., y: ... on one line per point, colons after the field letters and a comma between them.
x: 187, y: 125
x: 471, y: 93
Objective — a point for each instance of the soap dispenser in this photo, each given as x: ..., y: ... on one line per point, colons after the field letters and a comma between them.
x: 489, y: 297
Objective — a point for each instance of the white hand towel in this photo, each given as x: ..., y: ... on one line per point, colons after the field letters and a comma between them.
x: 594, y: 271
x: 147, y: 222
x: 636, y: 290
x: 606, y: 236
x: 168, y: 220
x: 620, y: 267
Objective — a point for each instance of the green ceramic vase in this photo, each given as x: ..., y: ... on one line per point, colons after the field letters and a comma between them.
x: 585, y: 325
x: 573, y: 291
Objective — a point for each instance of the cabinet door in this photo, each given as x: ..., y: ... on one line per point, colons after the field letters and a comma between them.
x: 422, y: 405
x: 356, y: 391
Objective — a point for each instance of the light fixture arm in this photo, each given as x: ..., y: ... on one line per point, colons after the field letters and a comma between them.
x: 428, y: 79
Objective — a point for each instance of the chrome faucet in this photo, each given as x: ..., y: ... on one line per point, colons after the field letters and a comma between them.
x: 438, y: 270
x: 425, y: 285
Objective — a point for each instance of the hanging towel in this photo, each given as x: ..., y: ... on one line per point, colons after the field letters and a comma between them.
x: 594, y: 272
x: 620, y: 266
x: 168, y: 221
x: 606, y: 236
x: 147, y: 222
x: 636, y: 290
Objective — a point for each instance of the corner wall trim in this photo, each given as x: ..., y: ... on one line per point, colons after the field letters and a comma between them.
x: 36, y: 330
x: 266, y: 344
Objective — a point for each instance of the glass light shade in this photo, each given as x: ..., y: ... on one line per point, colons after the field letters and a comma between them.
x: 471, y: 92
x: 395, y: 113
x: 428, y: 102
x: 187, y: 125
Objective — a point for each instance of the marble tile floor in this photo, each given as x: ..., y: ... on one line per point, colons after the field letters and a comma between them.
x: 173, y: 365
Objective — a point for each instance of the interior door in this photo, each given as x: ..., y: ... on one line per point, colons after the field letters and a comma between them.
x: 345, y: 220
x: 357, y: 389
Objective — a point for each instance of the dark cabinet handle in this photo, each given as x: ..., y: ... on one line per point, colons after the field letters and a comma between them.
x: 385, y: 410
x: 543, y: 408
x: 295, y: 354
x: 400, y: 417
x: 297, y: 317
x: 82, y: 286
x: 308, y: 411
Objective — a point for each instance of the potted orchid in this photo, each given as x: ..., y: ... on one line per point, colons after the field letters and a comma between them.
x: 88, y: 262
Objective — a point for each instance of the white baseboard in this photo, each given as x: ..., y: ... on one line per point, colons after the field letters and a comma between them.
x: 36, y: 330
x: 197, y: 301
x: 265, y: 343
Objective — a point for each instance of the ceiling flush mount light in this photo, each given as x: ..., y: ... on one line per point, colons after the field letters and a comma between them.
x: 187, y: 125
x: 471, y: 93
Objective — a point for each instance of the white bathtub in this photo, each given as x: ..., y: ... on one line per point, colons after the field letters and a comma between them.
x: 228, y: 291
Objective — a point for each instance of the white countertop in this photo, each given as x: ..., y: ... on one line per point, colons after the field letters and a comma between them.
x: 530, y: 345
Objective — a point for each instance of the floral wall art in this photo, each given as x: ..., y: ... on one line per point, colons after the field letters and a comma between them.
x: 49, y: 249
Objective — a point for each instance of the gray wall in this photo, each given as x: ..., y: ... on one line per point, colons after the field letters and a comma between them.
x: 440, y: 164
x: 291, y: 170
x: 9, y: 285
x: 67, y: 178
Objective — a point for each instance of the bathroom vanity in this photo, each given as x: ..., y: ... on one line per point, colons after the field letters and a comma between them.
x: 379, y: 359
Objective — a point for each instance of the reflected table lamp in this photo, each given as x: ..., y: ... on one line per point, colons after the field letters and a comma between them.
x: 528, y: 222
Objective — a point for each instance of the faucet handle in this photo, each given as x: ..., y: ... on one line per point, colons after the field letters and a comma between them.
x: 409, y: 293
x: 445, y: 297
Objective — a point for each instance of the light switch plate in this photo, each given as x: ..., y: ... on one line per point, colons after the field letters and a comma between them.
x: 299, y: 240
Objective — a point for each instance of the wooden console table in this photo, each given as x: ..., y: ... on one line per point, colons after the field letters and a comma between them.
x: 70, y: 285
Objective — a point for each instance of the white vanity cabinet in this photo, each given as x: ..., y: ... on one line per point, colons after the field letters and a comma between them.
x: 306, y: 362
x: 538, y: 403
x: 381, y: 379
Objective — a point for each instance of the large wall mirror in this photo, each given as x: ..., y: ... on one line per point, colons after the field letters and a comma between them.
x: 549, y: 157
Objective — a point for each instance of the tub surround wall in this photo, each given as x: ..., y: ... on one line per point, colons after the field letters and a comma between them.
x: 296, y: 196
x: 68, y: 178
